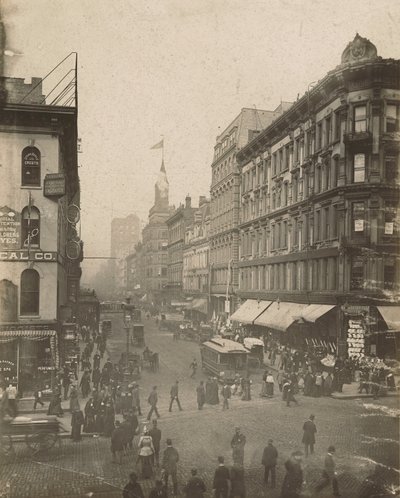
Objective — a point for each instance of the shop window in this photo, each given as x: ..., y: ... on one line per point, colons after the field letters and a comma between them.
x: 30, y: 227
x: 356, y: 273
x: 358, y: 221
x: 360, y: 118
x: 359, y: 168
x: 29, y: 292
x: 392, y: 118
x: 30, y: 167
x: 392, y: 168
x: 389, y: 274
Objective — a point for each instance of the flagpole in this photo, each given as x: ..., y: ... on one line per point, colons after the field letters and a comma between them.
x: 162, y: 156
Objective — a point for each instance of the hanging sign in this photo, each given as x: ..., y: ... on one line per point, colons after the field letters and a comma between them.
x: 10, y: 229
x: 54, y: 185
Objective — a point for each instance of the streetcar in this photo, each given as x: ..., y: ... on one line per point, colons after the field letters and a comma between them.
x: 224, y: 358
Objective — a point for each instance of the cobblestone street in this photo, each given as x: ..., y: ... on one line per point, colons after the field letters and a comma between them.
x: 362, y: 433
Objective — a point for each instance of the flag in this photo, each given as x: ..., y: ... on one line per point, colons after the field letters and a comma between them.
x: 160, y: 145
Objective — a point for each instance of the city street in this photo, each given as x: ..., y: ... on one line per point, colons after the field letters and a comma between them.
x: 363, y: 432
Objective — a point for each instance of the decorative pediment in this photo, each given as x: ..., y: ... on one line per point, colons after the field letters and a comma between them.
x: 359, y: 49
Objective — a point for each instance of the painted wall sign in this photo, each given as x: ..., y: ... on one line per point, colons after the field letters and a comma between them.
x: 54, y: 185
x: 25, y: 255
x: 10, y: 228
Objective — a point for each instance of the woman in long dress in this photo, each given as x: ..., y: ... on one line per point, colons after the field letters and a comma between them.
x: 146, y: 452
x: 85, y: 384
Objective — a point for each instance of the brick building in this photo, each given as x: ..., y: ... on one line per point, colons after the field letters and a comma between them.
x: 225, y: 202
x: 40, y: 247
x: 319, y: 224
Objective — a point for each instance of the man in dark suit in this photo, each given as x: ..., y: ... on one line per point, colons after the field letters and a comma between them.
x: 221, y: 479
x: 155, y: 434
x: 308, y: 440
x: 329, y: 473
x: 169, y: 464
x: 269, y: 460
x: 174, y: 396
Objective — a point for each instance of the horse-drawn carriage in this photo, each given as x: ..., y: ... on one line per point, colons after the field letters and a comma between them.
x: 38, y: 433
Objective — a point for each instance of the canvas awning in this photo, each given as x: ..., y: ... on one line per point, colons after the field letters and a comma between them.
x: 249, y: 311
x: 27, y: 333
x: 280, y: 316
x: 200, y: 304
x: 315, y: 311
x: 391, y: 315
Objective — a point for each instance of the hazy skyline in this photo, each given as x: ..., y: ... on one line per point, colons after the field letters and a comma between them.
x: 182, y: 70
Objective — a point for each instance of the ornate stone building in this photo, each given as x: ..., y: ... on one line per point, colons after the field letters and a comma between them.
x: 225, y: 200
x: 319, y: 212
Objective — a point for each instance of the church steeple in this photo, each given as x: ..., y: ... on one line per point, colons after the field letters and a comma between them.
x: 161, y: 198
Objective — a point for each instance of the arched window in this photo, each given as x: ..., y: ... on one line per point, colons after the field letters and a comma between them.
x: 30, y: 227
x: 29, y: 304
x: 30, y: 167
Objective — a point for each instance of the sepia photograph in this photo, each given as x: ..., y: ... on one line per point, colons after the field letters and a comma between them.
x: 199, y: 248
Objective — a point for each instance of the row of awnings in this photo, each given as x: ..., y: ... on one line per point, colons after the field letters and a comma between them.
x: 281, y: 315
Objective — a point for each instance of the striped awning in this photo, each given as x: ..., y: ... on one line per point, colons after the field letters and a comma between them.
x: 280, y: 316
x: 249, y: 311
x: 315, y: 311
x: 27, y: 333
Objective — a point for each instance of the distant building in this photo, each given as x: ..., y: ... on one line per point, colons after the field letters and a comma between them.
x: 155, y: 243
x: 136, y: 272
x: 225, y: 202
x: 177, y: 223
x: 40, y: 248
x: 125, y: 234
x: 196, y: 261
x: 319, y: 205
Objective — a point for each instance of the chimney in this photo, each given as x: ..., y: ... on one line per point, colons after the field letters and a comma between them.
x: 188, y: 201
x: 202, y: 200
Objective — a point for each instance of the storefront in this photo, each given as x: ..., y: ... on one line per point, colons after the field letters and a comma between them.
x: 28, y: 356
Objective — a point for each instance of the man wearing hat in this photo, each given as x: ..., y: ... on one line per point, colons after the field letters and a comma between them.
x: 133, y: 488
x: 308, y: 440
x: 293, y: 480
x: 269, y: 460
x: 169, y: 464
x: 195, y: 487
x: 329, y: 473
x: 237, y: 444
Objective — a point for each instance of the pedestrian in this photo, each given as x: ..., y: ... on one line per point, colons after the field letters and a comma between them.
x: 77, y: 421
x: 246, y: 388
x: 136, y: 398
x: 133, y: 488
x: 375, y: 384
x: 146, y: 454
x: 201, y: 395
x: 85, y: 383
x: 109, y: 418
x: 309, y: 431
x: 153, y: 400
x: 134, y: 425
x: 328, y: 385
x: 221, y: 480
x: 12, y: 399
x: 269, y: 381
x: 117, y: 442
x: 55, y: 405
x: 38, y: 398
x: 237, y: 444
x: 238, y: 489
x: 155, y: 434
x: 226, y: 394
x: 169, y: 464
x: 195, y: 487
x: 193, y: 366
x: 293, y: 480
x: 269, y: 460
x: 159, y: 490
x: 318, y: 385
x: 96, y: 376
x: 289, y: 393
x: 90, y: 416
x: 66, y: 381
x: 73, y: 399
x: 209, y: 391
x: 329, y: 473
x: 96, y: 361
x: 174, y: 396
x: 280, y: 378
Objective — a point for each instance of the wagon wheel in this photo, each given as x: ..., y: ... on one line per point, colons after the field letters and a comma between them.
x: 41, y: 441
x: 6, y: 446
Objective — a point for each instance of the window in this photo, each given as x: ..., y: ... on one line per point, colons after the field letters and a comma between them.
x: 319, y: 135
x: 359, y: 168
x: 294, y: 189
x: 360, y: 118
x: 284, y: 234
x: 337, y: 125
x: 356, y: 273
x: 389, y: 274
x: 327, y: 226
x: 328, y: 133
x: 358, y: 214
x: 29, y: 292
x: 392, y: 118
x: 285, y: 194
x: 334, y: 172
x: 30, y: 167
x: 317, y: 225
x: 392, y: 168
x: 301, y: 151
x: 30, y: 227
x: 391, y: 226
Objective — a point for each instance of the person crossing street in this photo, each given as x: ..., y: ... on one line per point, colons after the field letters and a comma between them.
x: 153, y: 400
x: 174, y: 396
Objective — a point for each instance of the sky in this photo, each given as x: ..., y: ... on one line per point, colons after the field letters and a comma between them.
x: 181, y: 70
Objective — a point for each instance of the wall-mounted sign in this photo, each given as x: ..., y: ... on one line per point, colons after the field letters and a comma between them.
x: 10, y: 228
x: 54, y: 185
x: 25, y: 255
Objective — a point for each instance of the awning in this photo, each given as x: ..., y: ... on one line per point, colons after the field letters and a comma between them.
x: 200, y: 305
x: 249, y: 311
x: 27, y: 333
x: 315, y: 311
x: 391, y: 315
x: 280, y: 316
